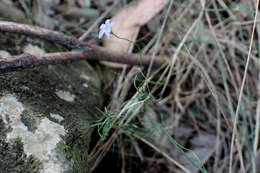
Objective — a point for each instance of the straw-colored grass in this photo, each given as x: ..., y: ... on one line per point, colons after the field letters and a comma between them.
x: 210, y: 89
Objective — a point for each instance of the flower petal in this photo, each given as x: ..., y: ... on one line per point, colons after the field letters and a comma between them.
x: 107, y: 34
x: 106, y: 29
x: 107, y: 22
x: 103, y: 26
x: 100, y: 34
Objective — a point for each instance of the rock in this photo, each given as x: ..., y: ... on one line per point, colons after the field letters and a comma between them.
x: 44, y: 118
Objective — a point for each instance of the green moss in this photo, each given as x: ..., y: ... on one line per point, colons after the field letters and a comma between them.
x: 36, y: 89
x: 75, y: 144
x: 13, y: 159
x: 29, y: 120
x: 3, y: 129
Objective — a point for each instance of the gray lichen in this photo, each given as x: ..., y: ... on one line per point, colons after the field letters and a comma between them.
x: 37, y: 90
x: 12, y: 158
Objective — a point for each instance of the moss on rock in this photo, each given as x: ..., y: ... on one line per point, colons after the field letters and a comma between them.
x: 37, y: 90
x: 12, y: 158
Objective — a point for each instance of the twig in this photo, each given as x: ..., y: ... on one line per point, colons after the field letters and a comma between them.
x: 175, y: 56
x: 89, y: 53
x: 35, y: 31
x: 84, y: 51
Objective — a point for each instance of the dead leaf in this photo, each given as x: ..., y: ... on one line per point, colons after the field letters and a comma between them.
x: 203, y: 146
x: 202, y: 153
x: 207, y: 140
x: 128, y: 22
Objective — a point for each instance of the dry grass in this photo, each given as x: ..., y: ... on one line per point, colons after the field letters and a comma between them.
x: 195, y: 99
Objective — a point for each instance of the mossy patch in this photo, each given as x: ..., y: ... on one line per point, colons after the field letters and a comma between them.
x: 29, y: 120
x: 36, y: 90
x: 13, y: 159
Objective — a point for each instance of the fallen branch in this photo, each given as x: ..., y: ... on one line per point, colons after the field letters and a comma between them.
x: 91, y: 53
x: 83, y: 50
x: 42, y: 33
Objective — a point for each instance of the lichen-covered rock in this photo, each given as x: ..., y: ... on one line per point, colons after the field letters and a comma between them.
x: 44, y: 118
x: 12, y: 158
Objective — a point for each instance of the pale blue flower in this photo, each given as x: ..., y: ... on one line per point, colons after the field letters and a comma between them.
x: 85, y: 85
x: 105, y: 29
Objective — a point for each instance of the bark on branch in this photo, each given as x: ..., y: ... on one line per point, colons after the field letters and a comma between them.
x: 84, y: 51
x: 91, y: 53
x: 42, y: 33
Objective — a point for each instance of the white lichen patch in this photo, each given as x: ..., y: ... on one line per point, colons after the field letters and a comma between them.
x: 4, y: 54
x: 41, y: 143
x: 10, y: 109
x: 57, y: 117
x: 33, y: 50
x: 65, y: 95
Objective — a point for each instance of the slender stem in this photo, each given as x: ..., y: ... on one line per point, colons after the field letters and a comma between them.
x: 130, y: 42
x: 241, y: 90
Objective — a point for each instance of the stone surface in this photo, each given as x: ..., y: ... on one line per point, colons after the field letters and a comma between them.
x: 41, y: 143
x: 44, y: 118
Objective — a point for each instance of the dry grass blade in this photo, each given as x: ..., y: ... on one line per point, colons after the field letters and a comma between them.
x: 257, y: 123
x: 174, y: 57
x: 163, y: 153
x: 241, y: 90
x: 159, y: 38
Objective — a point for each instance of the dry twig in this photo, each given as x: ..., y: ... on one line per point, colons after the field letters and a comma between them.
x: 89, y: 53
x: 35, y: 31
x: 83, y: 51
